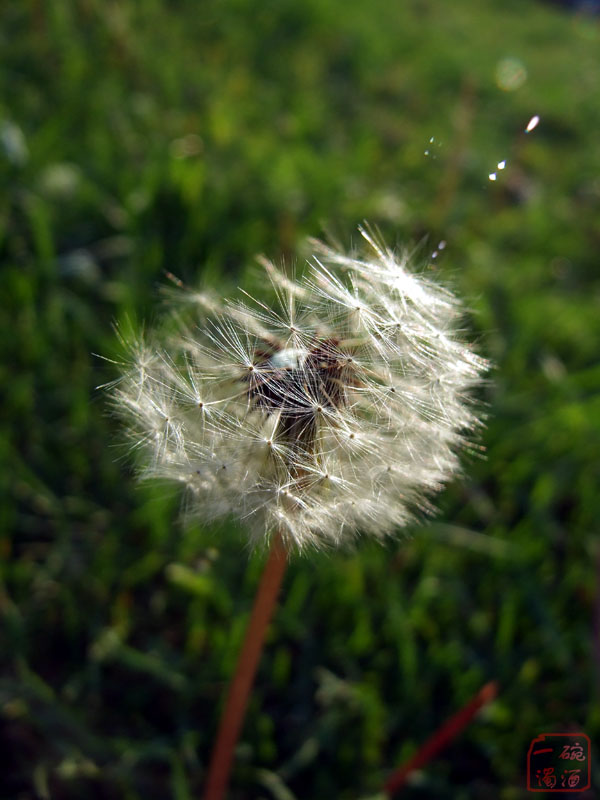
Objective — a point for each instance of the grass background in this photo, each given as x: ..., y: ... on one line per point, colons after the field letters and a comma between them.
x: 190, y: 136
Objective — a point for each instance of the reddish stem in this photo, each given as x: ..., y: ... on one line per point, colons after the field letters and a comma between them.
x: 449, y: 731
x: 241, y: 684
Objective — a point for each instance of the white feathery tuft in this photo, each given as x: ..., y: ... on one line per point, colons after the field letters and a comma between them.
x: 337, y: 410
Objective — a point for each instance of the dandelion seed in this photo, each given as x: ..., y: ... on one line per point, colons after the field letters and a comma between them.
x: 338, y: 409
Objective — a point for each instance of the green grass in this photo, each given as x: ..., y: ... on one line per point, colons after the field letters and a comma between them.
x: 187, y: 136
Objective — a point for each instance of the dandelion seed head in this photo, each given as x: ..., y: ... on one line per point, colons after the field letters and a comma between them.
x: 338, y: 409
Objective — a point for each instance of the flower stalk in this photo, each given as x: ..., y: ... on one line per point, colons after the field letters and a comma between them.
x: 452, y: 728
x: 239, y: 689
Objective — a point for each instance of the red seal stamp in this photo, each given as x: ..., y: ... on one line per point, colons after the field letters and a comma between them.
x: 559, y: 762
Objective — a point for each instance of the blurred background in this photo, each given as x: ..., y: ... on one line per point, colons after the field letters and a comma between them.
x: 190, y: 136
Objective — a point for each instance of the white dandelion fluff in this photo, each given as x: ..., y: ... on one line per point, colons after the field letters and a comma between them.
x: 338, y: 409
